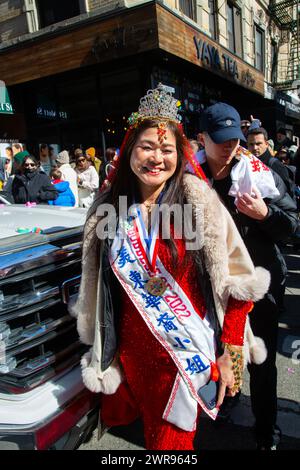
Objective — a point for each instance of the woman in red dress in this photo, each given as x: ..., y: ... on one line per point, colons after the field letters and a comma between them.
x: 166, y: 319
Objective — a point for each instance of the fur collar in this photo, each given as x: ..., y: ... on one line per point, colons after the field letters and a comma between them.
x: 227, y: 262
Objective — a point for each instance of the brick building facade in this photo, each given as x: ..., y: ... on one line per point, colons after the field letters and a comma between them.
x: 204, y: 50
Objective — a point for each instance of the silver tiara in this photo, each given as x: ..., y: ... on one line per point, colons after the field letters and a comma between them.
x: 158, y: 103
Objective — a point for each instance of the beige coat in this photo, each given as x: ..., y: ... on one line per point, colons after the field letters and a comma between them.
x: 228, y: 263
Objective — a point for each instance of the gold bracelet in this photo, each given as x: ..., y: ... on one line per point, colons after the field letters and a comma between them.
x: 237, y: 358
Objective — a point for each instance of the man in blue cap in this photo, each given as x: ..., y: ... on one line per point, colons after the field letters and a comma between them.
x: 261, y: 222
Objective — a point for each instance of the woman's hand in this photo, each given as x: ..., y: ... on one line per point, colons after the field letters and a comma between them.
x: 226, y: 379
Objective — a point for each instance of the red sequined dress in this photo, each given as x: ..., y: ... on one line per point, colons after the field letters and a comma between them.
x: 149, y: 370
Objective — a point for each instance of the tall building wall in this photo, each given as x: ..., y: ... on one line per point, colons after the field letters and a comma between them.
x: 20, y: 17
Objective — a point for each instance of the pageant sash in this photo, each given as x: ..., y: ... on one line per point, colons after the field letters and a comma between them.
x: 171, y: 318
x: 148, y: 241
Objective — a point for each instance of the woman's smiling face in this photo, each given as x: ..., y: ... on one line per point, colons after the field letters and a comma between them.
x: 151, y: 161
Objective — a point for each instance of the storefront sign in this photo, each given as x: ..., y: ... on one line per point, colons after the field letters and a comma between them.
x: 48, y: 111
x: 285, y: 101
x: 210, y: 56
x: 5, y: 106
x: 292, y: 110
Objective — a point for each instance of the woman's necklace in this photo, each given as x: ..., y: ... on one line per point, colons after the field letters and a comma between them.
x: 148, y: 206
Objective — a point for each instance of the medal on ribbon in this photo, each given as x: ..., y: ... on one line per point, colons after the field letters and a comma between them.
x: 156, y: 286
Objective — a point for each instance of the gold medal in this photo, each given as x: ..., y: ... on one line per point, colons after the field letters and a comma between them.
x: 156, y: 286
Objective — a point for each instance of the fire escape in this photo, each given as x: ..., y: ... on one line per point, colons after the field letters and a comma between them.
x: 286, y: 14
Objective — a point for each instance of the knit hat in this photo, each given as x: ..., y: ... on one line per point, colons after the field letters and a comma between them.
x: 63, y: 157
x: 19, y: 157
x: 91, y: 152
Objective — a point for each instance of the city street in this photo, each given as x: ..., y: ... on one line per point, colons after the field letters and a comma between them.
x: 237, y: 433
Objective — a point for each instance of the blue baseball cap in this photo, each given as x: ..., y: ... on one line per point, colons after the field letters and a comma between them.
x: 222, y: 122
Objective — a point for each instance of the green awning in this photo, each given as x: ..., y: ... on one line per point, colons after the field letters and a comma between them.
x: 5, y: 106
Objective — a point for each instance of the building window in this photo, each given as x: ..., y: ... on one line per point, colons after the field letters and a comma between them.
x: 212, y: 18
x: 53, y: 11
x: 259, y: 49
x: 188, y: 8
x: 234, y: 29
x: 274, y: 58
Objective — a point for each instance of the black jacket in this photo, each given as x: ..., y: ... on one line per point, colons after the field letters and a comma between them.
x: 261, y: 237
x: 33, y: 187
x: 283, y: 171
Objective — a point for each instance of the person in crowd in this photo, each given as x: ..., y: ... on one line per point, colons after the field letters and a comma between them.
x: 247, y: 126
x: 265, y: 214
x: 148, y: 311
x: 46, y: 163
x: 194, y: 145
x: 78, y: 152
x: 285, y: 157
x: 282, y: 140
x: 111, y: 158
x: 6, y: 166
x: 16, y: 148
x: 258, y: 145
x: 9, y: 153
x: 87, y: 180
x: 68, y: 173
x: 32, y: 184
x: 17, y: 169
x: 91, y: 153
x: 2, y: 172
x: 296, y: 161
x: 271, y: 146
x: 9, y: 161
x: 52, y: 156
x: 65, y: 196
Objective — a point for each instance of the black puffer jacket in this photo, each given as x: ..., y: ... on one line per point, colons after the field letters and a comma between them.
x: 261, y: 237
x: 282, y: 170
x: 33, y: 187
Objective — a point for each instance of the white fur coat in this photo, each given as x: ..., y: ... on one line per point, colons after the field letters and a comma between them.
x: 228, y: 263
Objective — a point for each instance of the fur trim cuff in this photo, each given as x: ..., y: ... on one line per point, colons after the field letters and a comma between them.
x: 258, y: 351
x: 254, y: 290
x: 72, y: 307
x: 110, y: 381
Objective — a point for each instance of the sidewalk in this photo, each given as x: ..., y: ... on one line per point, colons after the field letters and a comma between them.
x: 237, y: 434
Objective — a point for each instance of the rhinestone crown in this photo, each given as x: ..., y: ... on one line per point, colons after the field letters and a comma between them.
x: 157, y: 103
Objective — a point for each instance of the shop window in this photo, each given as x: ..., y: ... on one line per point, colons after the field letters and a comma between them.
x: 212, y: 5
x: 234, y: 29
x: 120, y: 95
x: 259, y: 48
x: 53, y: 11
x: 188, y: 8
x: 78, y: 98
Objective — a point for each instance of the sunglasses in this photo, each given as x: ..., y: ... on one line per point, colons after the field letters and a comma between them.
x: 244, y: 126
x: 80, y: 160
x: 27, y: 165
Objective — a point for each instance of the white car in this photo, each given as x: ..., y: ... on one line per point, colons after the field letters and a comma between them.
x: 43, y: 402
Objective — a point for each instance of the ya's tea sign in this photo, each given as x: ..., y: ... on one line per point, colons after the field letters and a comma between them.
x: 210, y: 56
x: 5, y: 106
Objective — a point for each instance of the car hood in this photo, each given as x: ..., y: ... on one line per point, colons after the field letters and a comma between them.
x: 52, y: 220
